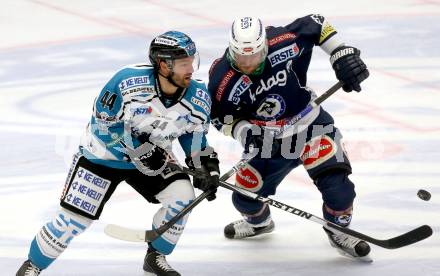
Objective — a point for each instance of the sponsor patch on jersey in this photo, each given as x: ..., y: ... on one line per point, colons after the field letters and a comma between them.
x: 281, y: 38
x: 133, y: 81
x: 317, y: 151
x: 202, y: 104
x: 279, y: 79
x: 243, y: 83
x: 272, y: 107
x: 201, y: 94
x: 283, y: 54
x: 249, y: 178
x: 327, y: 31
x: 142, y: 110
x: 86, y: 191
x: 139, y: 89
x: 221, y: 88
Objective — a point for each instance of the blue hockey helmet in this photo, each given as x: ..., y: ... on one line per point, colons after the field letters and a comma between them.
x: 170, y: 46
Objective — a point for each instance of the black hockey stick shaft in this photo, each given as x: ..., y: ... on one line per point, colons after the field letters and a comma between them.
x: 405, y: 239
x: 315, y: 103
x: 151, y: 235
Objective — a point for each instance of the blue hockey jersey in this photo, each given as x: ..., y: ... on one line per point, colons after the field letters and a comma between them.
x: 279, y: 93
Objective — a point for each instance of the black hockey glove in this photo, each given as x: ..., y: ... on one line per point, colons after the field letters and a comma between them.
x: 349, y: 67
x: 208, y: 172
x: 251, y: 138
x: 155, y: 158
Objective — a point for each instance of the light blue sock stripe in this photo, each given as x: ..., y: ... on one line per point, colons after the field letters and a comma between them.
x: 37, y: 257
x: 163, y: 246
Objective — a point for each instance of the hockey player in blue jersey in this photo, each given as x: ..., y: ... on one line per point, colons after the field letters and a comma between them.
x: 258, y: 88
x: 142, y: 106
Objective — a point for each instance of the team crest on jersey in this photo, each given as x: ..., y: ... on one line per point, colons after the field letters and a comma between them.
x: 249, y: 178
x: 317, y: 151
x: 134, y: 81
x: 243, y: 83
x: 272, y: 107
x: 104, y: 121
x: 283, y: 54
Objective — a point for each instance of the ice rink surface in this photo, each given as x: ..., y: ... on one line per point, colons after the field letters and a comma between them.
x: 55, y: 56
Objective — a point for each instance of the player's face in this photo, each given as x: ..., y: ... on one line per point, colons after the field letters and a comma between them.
x: 183, y: 69
x: 247, y: 64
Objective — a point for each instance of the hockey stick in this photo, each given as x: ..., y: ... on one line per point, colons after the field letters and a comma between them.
x: 127, y: 234
x: 312, y: 105
x: 405, y: 239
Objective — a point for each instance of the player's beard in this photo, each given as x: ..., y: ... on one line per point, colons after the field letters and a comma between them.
x: 247, y: 70
x: 183, y: 81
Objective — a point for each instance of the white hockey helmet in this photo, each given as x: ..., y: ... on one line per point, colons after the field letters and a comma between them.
x: 247, y: 41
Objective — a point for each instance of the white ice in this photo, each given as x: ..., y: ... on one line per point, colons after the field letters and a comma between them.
x: 55, y: 56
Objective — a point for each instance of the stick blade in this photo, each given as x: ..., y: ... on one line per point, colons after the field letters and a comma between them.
x: 124, y: 234
x: 416, y: 235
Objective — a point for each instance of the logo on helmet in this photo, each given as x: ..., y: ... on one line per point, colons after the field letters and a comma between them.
x: 246, y: 22
x: 165, y: 41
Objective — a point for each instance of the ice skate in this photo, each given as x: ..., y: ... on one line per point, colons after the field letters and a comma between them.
x: 28, y: 269
x: 156, y: 263
x: 348, y: 246
x: 242, y: 229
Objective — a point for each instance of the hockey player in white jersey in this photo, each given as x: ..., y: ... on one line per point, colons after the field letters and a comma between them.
x: 141, y: 107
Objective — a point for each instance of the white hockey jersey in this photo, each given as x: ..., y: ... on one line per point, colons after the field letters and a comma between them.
x: 131, y: 104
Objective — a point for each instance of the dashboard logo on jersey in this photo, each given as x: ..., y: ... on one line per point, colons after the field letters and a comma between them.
x: 283, y: 54
x: 249, y: 178
x: 243, y: 83
x: 317, y: 151
x: 272, y: 107
x: 134, y: 81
